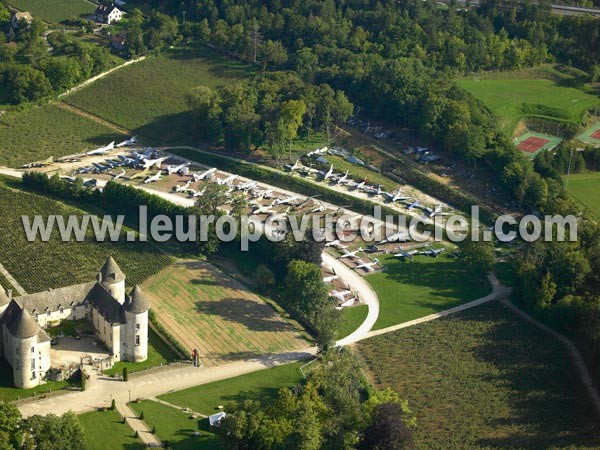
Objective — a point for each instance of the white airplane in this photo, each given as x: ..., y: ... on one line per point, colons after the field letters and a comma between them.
x: 400, y: 236
x: 319, y: 208
x: 198, y: 176
x: 342, y: 179
x: 153, y: 178
x: 262, y: 194
x: 183, y: 188
x: 196, y: 194
x: 120, y: 175
x: 328, y: 174
x: 368, y: 266
x: 102, y: 150
x: 149, y: 163
x: 260, y: 209
x: 438, y: 211
x: 330, y: 278
x: 285, y: 200
x: 396, y: 196
x: 405, y: 254
x: 332, y: 243
x: 339, y: 295
x: 351, y: 254
x: 128, y: 142
x: 414, y: 204
x: 434, y: 253
x: 246, y: 186
x: 294, y: 166
x: 360, y: 185
x: 227, y: 181
x: 175, y: 169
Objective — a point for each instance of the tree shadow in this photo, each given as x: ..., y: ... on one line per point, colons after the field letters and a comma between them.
x: 249, y: 313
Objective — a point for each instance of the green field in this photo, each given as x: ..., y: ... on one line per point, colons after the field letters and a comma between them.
x: 44, y: 131
x: 54, y: 11
x: 513, y: 99
x: 158, y: 353
x: 351, y: 319
x: 104, y: 430
x: 177, y: 428
x: 39, y: 265
x: 585, y: 188
x: 262, y: 385
x: 149, y: 97
x: 483, y: 379
x: 408, y: 290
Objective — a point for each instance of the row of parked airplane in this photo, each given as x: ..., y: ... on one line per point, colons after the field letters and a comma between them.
x: 392, y: 197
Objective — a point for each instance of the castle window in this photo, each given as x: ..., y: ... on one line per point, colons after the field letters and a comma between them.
x: 32, y: 363
x: 137, y: 326
x: 137, y: 339
x: 32, y: 349
x: 33, y: 377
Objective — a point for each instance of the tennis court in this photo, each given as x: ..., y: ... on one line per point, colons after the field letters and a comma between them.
x: 591, y: 135
x: 533, y: 143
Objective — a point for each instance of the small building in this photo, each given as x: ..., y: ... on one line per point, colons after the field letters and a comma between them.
x: 118, y: 42
x: 108, y: 13
x: 19, y: 16
x: 214, y: 419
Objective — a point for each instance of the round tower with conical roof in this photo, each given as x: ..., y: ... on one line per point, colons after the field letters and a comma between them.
x: 4, y: 299
x: 113, y: 279
x: 136, y: 313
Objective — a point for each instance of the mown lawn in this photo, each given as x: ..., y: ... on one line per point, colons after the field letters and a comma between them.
x: 351, y: 319
x: 484, y: 379
x: 408, y: 290
x: 262, y: 385
x: 104, y: 430
x: 38, y: 265
x: 585, y: 188
x: 177, y: 429
x: 54, y: 11
x: 43, y: 131
x: 512, y: 99
x: 158, y: 353
x: 149, y: 97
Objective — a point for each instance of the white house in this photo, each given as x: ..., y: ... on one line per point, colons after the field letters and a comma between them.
x: 120, y: 321
x: 108, y: 13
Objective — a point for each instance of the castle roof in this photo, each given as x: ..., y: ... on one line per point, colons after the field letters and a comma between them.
x: 53, y: 299
x: 4, y: 300
x: 19, y: 322
x: 107, y: 306
x: 111, y: 272
x: 138, y: 302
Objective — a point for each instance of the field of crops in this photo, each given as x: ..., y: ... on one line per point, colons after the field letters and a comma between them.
x: 39, y: 265
x: 512, y: 99
x: 41, y: 132
x: 408, y: 290
x: 205, y: 309
x: 149, y: 97
x: 484, y: 379
x: 585, y: 187
x: 54, y: 11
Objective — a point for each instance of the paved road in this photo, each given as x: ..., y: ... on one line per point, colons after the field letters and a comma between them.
x: 101, y: 389
x: 563, y: 10
x: 138, y: 425
x: 365, y: 293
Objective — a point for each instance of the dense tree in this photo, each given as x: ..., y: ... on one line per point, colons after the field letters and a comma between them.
x: 52, y: 432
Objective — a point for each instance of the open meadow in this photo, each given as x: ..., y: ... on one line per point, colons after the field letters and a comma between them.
x: 424, y: 285
x: 149, y: 97
x: 512, y: 98
x: 484, y: 379
x: 103, y: 430
x: 205, y: 309
x: 43, y: 131
x: 262, y: 385
x: 585, y: 188
x: 39, y: 265
x: 55, y: 11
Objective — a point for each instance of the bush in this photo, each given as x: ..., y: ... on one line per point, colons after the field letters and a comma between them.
x: 125, y: 374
